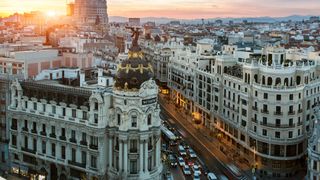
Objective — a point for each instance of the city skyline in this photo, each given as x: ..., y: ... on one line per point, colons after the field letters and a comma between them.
x: 179, y: 9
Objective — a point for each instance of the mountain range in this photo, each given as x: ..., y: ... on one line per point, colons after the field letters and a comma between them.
x: 164, y: 20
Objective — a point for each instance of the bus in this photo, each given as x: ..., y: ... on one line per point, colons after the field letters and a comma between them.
x: 168, y: 136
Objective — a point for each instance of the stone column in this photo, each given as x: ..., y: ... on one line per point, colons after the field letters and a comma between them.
x: 141, y: 156
x: 158, y: 148
x: 146, y: 156
x: 125, y: 157
x: 110, y: 152
x: 120, y: 155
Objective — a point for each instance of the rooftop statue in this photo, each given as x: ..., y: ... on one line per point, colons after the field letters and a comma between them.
x: 135, y: 35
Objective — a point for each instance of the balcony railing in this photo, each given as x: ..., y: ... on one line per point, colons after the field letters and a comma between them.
x: 25, y: 129
x: 82, y: 165
x: 84, y: 143
x: 73, y: 140
x: 278, y: 113
x: 264, y: 111
x: 290, y: 113
x: 14, y: 127
x: 43, y: 133
x: 62, y: 138
x: 28, y: 150
x: 94, y: 147
x: 254, y: 120
x: 53, y: 135
x: 254, y: 108
x: 34, y: 131
x: 277, y: 125
x: 300, y: 111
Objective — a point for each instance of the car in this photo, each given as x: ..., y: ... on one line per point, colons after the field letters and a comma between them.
x: 196, y: 176
x: 185, y: 145
x: 196, y: 169
x: 181, y: 161
x: 223, y: 177
x: 182, y: 151
x: 186, y: 170
x: 172, y: 160
x: 190, y: 163
x: 171, y: 128
x: 192, y: 154
x: 164, y: 146
x: 204, y: 170
x: 211, y: 176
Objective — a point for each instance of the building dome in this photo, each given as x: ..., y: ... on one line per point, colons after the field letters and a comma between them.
x: 133, y: 71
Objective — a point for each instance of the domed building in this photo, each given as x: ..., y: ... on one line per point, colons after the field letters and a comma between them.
x: 136, y: 127
x: 314, y: 149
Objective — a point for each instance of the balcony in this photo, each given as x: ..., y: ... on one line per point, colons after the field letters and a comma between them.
x: 290, y: 113
x: 300, y: 111
x: 133, y: 150
x: 94, y: 147
x: 73, y: 140
x: 264, y: 111
x: 53, y: 135
x: 82, y: 165
x: 62, y: 138
x: 277, y: 125
x: 83, y: 143
x: 28, y: 150
x: 254, y: 108
x: 43, y: 133
x: 34, y: 131
x: 278, y: 113
x: 25, y: 129
x: 14, y: 127
x: 254, y: 120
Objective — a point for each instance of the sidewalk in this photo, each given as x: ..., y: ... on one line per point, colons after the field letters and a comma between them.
x: 203, y: 136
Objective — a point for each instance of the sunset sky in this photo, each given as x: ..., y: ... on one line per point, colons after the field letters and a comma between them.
x: 184, y: 9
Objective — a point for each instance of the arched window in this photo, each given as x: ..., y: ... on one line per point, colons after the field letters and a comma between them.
x: 149, y: 119
x: 255, y: 78
x: 263, y: 80
x: 134, y: 121
x: 269, y: 81
x: 278, y: 81
x: 286, y: 82
x: 298, y: 80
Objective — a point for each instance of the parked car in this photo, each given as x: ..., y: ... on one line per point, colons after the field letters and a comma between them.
x: 181, y: 161
x: 205, y: 170
x: 211, y: 176
x: 182, y: 151
x: 186, y: 170
x: 192, y: 154
x: 196, y: 176
x: 173, y: 160
x: 223, y: 177
x: 196, y: 169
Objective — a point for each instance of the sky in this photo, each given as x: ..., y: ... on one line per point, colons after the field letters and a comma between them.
x: 181, y: 9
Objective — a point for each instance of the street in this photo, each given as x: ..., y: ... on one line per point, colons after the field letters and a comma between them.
x: 205, y: 146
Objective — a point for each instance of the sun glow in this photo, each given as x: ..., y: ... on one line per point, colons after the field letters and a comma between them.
x: 51, y: 13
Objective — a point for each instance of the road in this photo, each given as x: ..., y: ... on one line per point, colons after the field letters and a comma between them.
x: 206, y: 148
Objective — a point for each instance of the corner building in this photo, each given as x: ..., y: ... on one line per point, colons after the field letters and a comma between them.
x: 58, y: 131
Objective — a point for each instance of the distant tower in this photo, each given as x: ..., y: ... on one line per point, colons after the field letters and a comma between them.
x: 86, y: 12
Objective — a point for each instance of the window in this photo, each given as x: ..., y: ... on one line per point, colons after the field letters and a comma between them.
x: 133, y: 146
x: 265, y: 96
x: 63, y: 111
x: 26, y: 104
x: 53, y: 149
x: 315, y: 165
x: 14, y: 124
x: 278, y: 97
x: 53, y: 130
x: 84, y: 137
x: 84, y: 157
x: 255, y: 128
x: 264, y: 132
x: 53, y: 109
x: 44, y: 107
x: 34, y: 126
x: 63, y: 152
x: 74, y: 113
x: 35, y: 106
x: 291, y: 97
x: 44, y: 147
x: 290, y: 122
x: 277, y: 134
x: 133, y: 166
x: 264, y: 121
x: 118, y: 119
x: 43, y: 128
x: 134, y: 121
x: 26, y: 142
x: 93, y: 161
x: 14, y: 140
x: 63, y: 132
x: 84, y: 115
x: 290, y: 134
x: 73, y: 155
x: 96, y: 118
x: 149, y: 119
x: 73, y: 134
x: 25, y: 124
x: 35, y: 144
x: 278, y: 122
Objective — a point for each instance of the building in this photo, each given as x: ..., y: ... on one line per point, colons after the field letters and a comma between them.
x: 134, y: 22
x: 61, y: 130
x: 262, y: 107
x: 314, y: 149
x: 90, y: 12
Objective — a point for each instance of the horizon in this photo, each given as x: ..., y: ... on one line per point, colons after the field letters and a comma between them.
x: 177, y: 9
